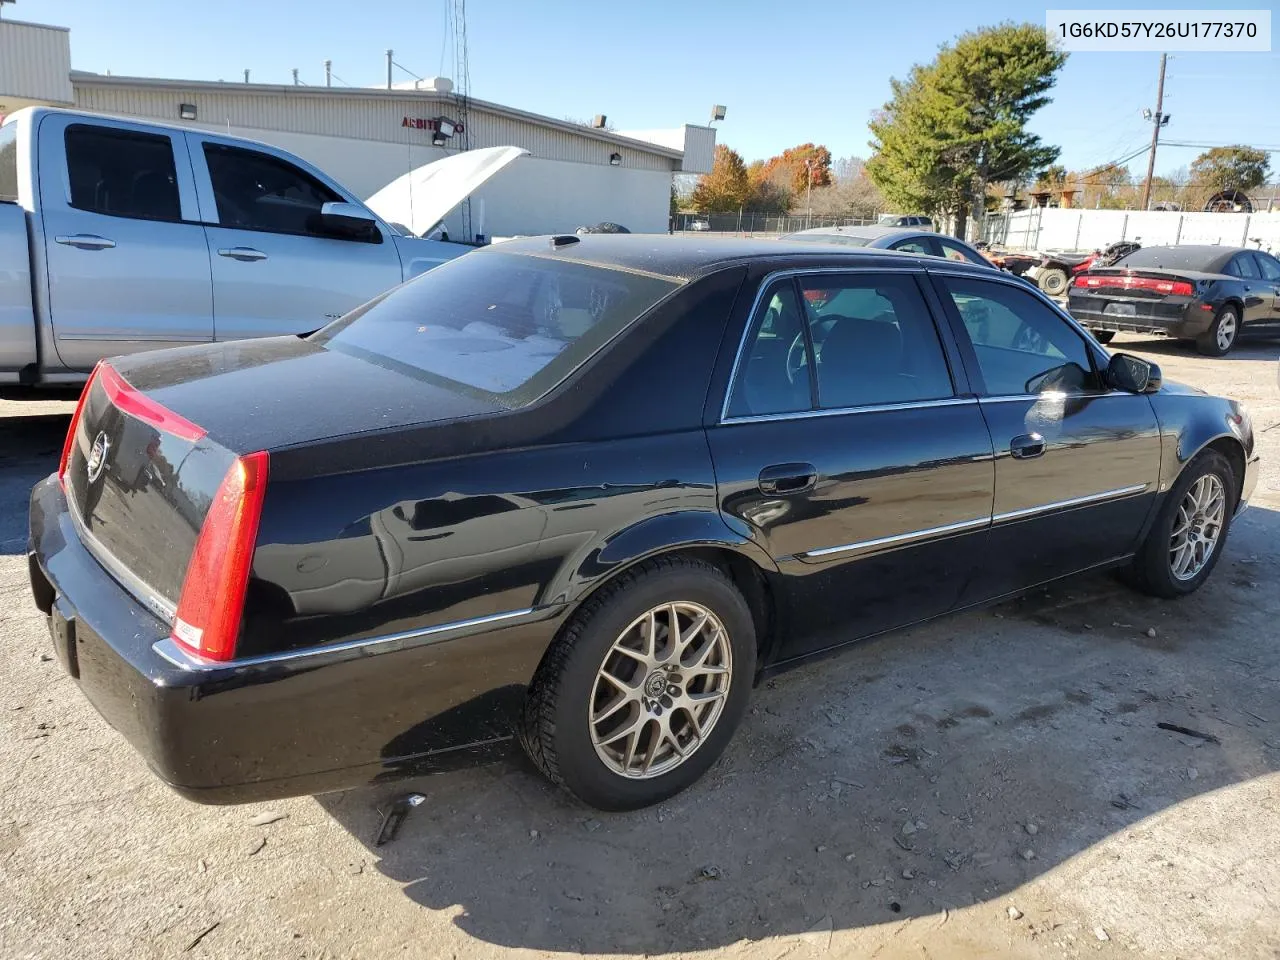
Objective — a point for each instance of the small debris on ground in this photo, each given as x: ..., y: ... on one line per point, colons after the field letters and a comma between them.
x: 1188, y: 732
x: 850, y: 857
x: 1028, y: 854
x: 1101, y: 934
x: 257, y: 847
x: 1192, y: 773
x: 202, y: 934
x: 709, y: 872
x: 591, y: 826
x: 1122, y: 802
x: 1031, y: 828
x: 202, y: 865
x: 1014, y: 913
x: 908, y: 874
x: 266, y: 817
x: 819, y: 849
x: 1151, y: 632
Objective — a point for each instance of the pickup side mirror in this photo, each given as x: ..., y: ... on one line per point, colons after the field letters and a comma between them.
x: 1133, y: 374
x: 349, y: 221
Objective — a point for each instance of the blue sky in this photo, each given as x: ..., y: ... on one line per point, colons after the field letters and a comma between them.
x: 787, y: 72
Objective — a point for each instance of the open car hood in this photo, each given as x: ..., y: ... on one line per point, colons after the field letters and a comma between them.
x: 422, y: 197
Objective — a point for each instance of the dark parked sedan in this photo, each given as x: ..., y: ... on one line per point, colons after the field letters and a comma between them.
x: 1206, y: 294
x: 589, y: 490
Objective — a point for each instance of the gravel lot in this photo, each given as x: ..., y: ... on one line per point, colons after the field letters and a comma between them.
x: 991, y: 784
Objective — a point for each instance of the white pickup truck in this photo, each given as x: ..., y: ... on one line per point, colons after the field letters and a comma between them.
x: 119, y: 236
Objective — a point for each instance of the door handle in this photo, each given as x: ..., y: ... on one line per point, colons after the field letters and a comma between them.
x: 1027, y: 447
x: 788, y: 478
x: 86, y: 241
x: 246, y: 254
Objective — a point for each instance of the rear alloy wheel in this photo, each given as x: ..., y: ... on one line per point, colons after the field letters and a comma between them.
x: 1190, y: 532
x: 1218, y: 340
x: 1053, y: 281
x: 642, y: 691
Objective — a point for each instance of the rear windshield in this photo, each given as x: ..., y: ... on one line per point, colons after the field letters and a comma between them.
x: 1176, y: 258
x: 9, y: 162
x: 844, y: 239
x: 508, y: 327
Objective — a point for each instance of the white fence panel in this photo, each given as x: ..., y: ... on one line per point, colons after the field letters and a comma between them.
x: 1044, y: 228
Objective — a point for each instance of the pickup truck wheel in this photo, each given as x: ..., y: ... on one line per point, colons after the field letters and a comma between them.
x: 641, y: 692
x: 1218, y: 340
x: 1104, y: 336
x: 1053, y: 281
x: 1190, y: 532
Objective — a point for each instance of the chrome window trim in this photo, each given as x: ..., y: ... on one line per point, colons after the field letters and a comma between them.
x: 909, y: 268
x: 840, y: 411
x: 1053, y: 395
x: 1117, y: 494
x: 181, y: 657
x: 142, y: 591
x: 898, y: 539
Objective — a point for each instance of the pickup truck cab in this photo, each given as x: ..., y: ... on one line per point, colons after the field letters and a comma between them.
x: 119, y: 236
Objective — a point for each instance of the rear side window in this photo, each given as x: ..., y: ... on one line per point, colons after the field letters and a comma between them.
x: 1244, y: 267
x: 1269, y: 266
x: 874, y: 341
x: 504, y: 326
x: 256, y: 191
x: 122, y: 173
x: 9, y: 162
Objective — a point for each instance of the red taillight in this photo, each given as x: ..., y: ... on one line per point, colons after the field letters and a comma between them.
x: 69, y: 443
x: 212, y: 601
x: 1175, y: 288
x: 141, y: 407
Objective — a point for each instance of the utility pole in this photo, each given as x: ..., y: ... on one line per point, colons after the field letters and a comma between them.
x: 328, y: 73
x: 808, y: 193
x: 1157, y: 121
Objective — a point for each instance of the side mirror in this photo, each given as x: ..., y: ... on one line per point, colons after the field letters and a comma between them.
x: 347, y: 220
x: 1133, y: 374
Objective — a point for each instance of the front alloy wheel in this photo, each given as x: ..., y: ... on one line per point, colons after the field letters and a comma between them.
x: 1197, y: 527
x: 660, y: 690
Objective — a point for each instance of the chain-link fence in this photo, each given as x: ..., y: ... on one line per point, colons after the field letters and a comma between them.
x: 754, y: 223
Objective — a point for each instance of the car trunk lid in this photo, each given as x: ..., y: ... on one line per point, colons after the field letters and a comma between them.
x: 157, y: 433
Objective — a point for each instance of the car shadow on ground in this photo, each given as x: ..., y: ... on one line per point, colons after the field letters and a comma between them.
x: 1249, y: 347
x: 29, y: 449
x: 933, y: 769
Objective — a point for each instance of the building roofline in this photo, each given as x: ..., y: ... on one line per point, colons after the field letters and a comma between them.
x: 414, y: 96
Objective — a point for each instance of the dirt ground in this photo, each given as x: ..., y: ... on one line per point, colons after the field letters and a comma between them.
x: 988, y: 785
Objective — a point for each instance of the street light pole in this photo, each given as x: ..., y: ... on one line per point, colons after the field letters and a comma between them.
x: 808, y: 194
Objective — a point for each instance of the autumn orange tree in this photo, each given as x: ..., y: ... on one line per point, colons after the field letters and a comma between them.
x: 726, y: 188
x: 792, y: 167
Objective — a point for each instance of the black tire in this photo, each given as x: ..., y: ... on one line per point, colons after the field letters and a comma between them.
x: 1151, y: 571
x: 1104, y: 336
x: 554, y: 728
x: 1053, y: 281
x: 1208, y: 342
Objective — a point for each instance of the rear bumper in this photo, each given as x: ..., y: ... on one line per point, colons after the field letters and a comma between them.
x: 1183, y: 318
x: 264, y: 730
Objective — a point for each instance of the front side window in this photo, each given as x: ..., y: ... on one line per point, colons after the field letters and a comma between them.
x: 1022, y: 346
x: 256, y: 191
x: 503, y: 326
x: 874, y: 340
x: 122, y: 173
x: 773, y: 374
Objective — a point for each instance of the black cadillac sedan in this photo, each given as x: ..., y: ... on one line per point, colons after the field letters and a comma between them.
x: 587, y: 491
x: 1204, y: 294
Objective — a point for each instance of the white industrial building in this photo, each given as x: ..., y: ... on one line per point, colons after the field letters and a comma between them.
x: 574, y: 174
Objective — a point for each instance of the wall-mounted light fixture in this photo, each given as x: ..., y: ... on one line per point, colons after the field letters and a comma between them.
x: 187, y: 111
x: 615, y: 159
x: 443, y: 131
